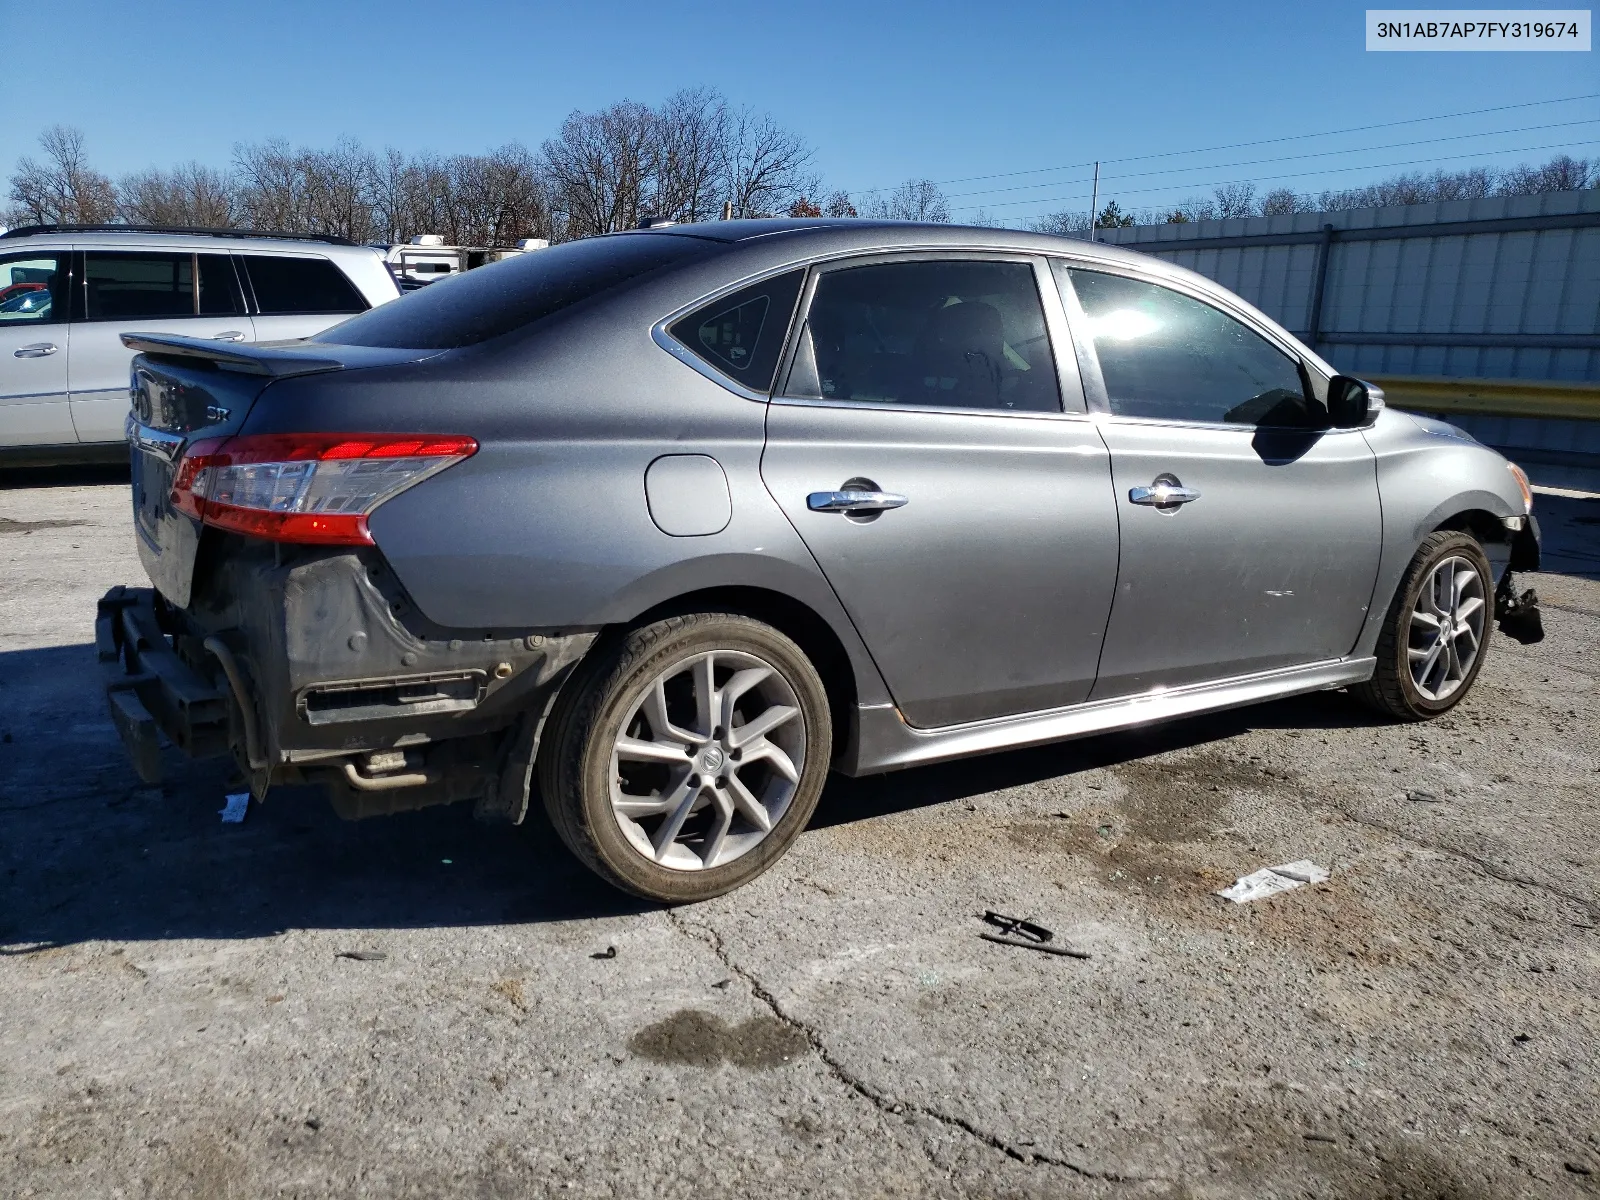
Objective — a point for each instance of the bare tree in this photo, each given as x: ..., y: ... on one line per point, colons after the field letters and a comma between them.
x: 1562, y: 173
x: 339, y: 190
x: 1068, y: 224
x: 600, y: 164
x: 765, y: 168
x: 1280, y: 202
x: 1236, y: 200
x: 691, y: 135
x: 839, y: 204
x: 64, y: 188
x: 913, y: 200
x: 191, y: 194
x: 497, y: 198
x: 272, y: 186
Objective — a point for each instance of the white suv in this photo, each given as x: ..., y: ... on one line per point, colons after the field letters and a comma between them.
x: 68, y: 293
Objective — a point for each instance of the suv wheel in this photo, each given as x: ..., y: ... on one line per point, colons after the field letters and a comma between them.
x: 683, y: 762
x: 1434, y: 636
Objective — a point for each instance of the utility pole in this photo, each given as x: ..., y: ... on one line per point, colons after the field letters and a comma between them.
x: 1094, y: 200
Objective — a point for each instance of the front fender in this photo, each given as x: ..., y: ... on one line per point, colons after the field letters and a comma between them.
x: 1429, y: 475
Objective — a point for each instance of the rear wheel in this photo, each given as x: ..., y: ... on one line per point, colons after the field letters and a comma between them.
x: 1435, y: 633
x: 684, y: 762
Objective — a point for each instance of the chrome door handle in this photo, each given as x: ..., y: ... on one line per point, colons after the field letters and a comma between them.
x: 233, y: 335
x: 1160, y: 495
x: 37, y: 350
x: 855, y: 502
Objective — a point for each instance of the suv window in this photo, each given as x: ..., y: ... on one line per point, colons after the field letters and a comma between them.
x: 134, y: 286
x: 32, y: 290
x: 1168, y: 356
x: 300, y: 285
x: 465, y: 309
x: 742, y: 335
x: 954, y: 334
x: 219, y: 286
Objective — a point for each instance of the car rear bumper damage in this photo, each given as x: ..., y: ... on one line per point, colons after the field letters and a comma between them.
x: 315, y: 669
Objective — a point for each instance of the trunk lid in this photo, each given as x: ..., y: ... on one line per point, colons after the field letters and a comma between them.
x: 184, y: 390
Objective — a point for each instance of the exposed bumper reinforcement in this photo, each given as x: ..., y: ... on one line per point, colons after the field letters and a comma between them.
x: 150, y: 690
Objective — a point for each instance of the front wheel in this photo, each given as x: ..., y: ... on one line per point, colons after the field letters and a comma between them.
x: 1435, y: 633
x: 685, y: 760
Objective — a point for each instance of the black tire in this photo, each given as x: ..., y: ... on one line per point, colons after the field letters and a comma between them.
x: 575, y: 758
x: 1392, y: 690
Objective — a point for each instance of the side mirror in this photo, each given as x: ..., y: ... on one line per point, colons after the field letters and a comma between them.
x: 1353, y: 403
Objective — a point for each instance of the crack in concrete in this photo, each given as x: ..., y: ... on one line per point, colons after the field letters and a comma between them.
x: 1486, y: 867
x: 713, y: 940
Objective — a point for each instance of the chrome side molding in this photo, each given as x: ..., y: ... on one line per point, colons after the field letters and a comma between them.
x: 884, y: 742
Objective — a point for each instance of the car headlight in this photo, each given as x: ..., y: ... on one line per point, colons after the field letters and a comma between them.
x: 1521, y: 477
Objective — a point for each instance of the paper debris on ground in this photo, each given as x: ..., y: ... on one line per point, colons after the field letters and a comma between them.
x: 1269, y: 881
x: 237, y: 805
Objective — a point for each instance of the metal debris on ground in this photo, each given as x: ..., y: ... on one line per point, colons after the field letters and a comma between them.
x: 363, y: 955
x: 1269, y: 881
x: 238, y: 803
x: 1027, y: 934
x: 1421, y: 796
x: 608, y: 952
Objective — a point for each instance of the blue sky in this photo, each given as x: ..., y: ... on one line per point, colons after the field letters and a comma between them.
x: 884, y: 92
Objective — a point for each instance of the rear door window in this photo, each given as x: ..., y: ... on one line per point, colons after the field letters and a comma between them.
x: 943, y: 334
x: 742, y: 335
x: 33, y: 289
x: 284, y: 284
x: 134, y: 286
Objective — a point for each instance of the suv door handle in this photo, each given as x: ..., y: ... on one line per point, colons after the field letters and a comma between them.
x: 37, y: 350
x: 233, y: 335
x: 855, y: 502
x: 1162, y: 494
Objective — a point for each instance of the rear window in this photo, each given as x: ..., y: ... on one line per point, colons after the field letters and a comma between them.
x: 473, y: 307
x: 301, y: 285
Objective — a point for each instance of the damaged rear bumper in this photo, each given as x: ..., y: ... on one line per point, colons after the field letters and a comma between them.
x: 317, y: 669
x: 151, y: 691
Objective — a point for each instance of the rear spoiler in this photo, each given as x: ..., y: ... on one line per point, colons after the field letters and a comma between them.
x: 231, y: 356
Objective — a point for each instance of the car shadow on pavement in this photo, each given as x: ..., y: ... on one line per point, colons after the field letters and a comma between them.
x: 74, y: 475
x: 89, y: 853
x: 847, y: 800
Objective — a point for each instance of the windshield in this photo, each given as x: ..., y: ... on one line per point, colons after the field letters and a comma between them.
x: 465, y: 309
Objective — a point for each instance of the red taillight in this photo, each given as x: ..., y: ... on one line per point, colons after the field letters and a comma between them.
x: 313, y: 487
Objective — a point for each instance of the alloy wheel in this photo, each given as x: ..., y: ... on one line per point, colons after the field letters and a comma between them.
x: 1447, y: 625
x: 707, y: 760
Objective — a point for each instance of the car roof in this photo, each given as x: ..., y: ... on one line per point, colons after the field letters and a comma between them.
x: 843, y: 234
x: 135, y: 237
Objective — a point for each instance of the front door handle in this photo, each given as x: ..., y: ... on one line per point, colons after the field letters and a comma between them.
x: 37, y: 350
x: 233, y: 335
x: 855, y: 501
x: 1163, y: 493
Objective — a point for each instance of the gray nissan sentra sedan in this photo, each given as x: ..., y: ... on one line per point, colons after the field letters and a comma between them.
x: 659, y: 528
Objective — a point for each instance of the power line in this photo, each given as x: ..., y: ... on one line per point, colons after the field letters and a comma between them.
x: 1294, y: 157
x: 1295, y: 137
x: 1298, y: 175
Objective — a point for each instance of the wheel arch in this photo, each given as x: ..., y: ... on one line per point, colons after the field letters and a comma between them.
x: 1479, y: 522
x: 796, y: 620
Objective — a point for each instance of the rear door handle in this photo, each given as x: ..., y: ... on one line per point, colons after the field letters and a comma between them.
x: 1163, y: 495
x: 855, y: 502
x: 37, y: 350
x: 233, y: 335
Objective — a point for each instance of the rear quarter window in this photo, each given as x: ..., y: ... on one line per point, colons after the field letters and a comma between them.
x: 477, y: 305
x: 301, y: 285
